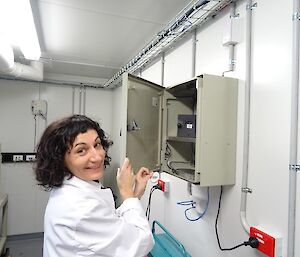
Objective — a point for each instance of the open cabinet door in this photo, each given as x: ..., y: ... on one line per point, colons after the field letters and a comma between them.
x: 143, y: 101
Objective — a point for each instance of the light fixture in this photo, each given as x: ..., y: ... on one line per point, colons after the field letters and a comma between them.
x: 17, y: 26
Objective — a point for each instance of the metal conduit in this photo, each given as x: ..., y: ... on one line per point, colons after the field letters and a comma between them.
x: 294, y: 167
x: 194, y: 50
x: 247, y: 115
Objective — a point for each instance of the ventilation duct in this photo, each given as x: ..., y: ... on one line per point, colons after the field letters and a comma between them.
x: 9, y: 67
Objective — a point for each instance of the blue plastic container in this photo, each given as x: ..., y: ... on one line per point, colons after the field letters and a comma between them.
x: 166, y: 245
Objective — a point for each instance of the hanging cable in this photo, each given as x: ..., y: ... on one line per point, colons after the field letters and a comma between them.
x: 192, y: 205
x: 149, y: 201
x: 253, y: 241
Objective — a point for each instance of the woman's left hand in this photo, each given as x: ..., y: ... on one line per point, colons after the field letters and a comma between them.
x: 141, y: 179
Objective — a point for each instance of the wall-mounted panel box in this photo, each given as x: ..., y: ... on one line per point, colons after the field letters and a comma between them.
x: 187, y: 130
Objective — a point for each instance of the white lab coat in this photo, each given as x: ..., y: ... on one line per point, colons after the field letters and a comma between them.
x: 81, y: 220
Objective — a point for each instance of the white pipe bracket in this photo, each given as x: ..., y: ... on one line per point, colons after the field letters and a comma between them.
x: 251, y: 6
x: 246, y: 190
x: 294, y: 167
x: 296, y: 16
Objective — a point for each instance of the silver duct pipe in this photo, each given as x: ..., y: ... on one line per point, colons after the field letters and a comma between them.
x: 231, y: 63
x: 294, y: 167
x: 84, y: 100
x: 194, y: 53
x: 162, y: 68
x: 73, y: 100
x: 231, y: 46
x: 248, y: 81
x: 80, y: 100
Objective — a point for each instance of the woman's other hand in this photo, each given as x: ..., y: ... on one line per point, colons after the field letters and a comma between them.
x: 126, y: 180
x: 141, y: 179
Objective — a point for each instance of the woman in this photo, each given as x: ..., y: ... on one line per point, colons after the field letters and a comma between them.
x: 80, y: 218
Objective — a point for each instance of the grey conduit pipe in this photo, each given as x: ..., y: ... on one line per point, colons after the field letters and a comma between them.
x: 194, y: 52
x: 294, y: 167
x: 231, y: 63
x: 245, y: 188
x: 162, y: 68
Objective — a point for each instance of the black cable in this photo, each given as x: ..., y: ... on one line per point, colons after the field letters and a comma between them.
x: 149, y: 201
x: 253, y: 242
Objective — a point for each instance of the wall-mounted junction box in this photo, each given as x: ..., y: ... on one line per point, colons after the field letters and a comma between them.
x: 207, y: 157
x: 39, y: 107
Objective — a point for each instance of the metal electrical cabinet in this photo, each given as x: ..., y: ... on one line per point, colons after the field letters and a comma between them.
x: 187, y: 130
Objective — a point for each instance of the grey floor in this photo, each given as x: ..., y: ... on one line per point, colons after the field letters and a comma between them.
x: 25, y: 246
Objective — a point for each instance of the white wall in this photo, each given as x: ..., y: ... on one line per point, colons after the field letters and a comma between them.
x: 270, y: 114
x: 26, y: 200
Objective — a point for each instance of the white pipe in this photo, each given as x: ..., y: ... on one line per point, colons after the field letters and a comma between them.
x: 231, y: 63
x: 243, y: 209
x: 34, y: 71
x: 231, y: 46
x: 194, y: 50
x: 162, y: 68
x: 294, y: 132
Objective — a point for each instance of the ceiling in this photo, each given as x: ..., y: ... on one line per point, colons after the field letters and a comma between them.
x: 95, y: 38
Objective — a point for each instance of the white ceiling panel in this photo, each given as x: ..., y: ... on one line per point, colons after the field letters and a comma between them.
x: 95, y: 38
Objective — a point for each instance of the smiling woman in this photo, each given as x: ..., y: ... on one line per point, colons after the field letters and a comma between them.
x: 65, y: 145
x: 80, y: 218
x: 86, y: 157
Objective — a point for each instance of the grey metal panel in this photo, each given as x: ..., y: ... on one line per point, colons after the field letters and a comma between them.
x: 152, y: 116
x: 216, y: 133
x: 144, y: 108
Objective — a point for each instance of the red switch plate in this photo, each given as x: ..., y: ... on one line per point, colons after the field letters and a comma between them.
x: 164, y: 185
x: 266, y: 242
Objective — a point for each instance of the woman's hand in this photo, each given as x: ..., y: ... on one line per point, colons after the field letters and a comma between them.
x: 125, y: 180
x: 141, y: 179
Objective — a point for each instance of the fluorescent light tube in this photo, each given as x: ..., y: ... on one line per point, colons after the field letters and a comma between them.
x: 17, y: 25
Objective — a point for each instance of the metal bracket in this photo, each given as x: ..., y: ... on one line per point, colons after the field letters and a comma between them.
x: 294, y: 167
x: 235, y: 16
x: 246, y: 190
x: 232, y: 61
x: 296, y: 16
x: 251, y: 7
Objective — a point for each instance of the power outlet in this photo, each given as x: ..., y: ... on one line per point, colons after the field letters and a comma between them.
x: 18, y: 158
x: 30, y: 158
x: 269, y: 245
x: 164, y: 185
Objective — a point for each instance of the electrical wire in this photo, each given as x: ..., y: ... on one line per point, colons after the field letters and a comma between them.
x: 168, y: 152
x: 192, y: 203
x: 149, y: 201
x: 253, y: 242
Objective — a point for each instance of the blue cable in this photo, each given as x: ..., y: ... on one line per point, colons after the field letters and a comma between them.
x: 192, y: 203
x: 188, y: 202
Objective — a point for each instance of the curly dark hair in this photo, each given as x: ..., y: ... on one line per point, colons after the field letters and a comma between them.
x: 50, y: 168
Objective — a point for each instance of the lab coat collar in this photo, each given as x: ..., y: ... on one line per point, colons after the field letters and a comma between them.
x: 80, y: 183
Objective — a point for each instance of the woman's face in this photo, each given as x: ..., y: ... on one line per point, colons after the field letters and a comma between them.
x: 85, y: 158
